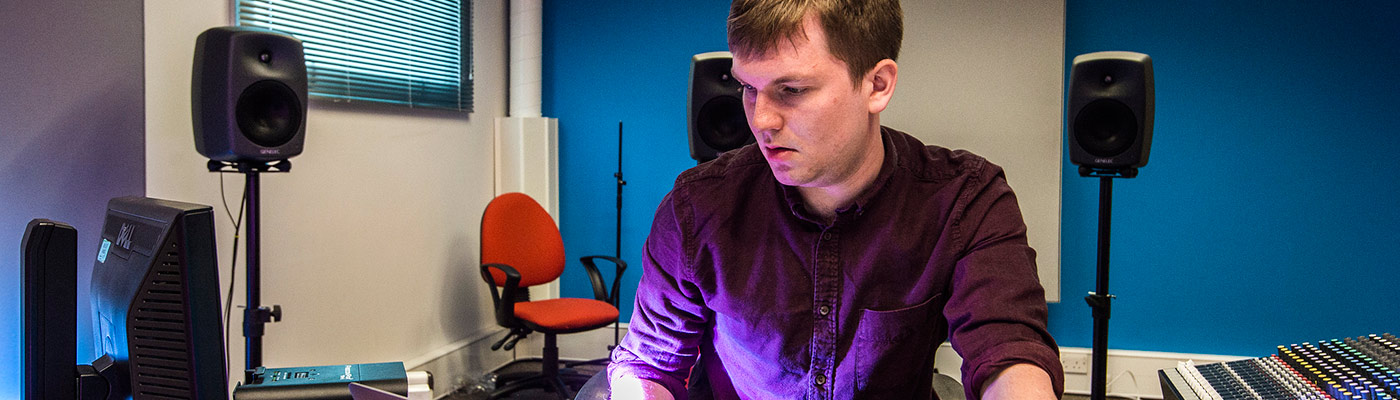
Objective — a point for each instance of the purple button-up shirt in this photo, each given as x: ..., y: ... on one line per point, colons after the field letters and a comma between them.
x: 783, y: 305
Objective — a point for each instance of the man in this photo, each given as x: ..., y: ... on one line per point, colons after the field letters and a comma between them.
x: 830, y: 259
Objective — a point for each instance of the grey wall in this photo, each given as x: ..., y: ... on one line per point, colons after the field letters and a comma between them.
x: 72, y: 129
x: 986, y: 76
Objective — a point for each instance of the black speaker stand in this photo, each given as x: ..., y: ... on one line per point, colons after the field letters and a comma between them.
x: 1099, y: 300
x: 254, y: 315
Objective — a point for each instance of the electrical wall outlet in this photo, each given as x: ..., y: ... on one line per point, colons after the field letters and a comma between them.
x: 1075, y: 363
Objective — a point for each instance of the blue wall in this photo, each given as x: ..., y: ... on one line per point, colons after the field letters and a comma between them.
x: 72, y: 135
x: 626, y: 61
x: 1268, y: 214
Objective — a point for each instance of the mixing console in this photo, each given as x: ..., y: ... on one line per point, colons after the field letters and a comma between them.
x: 1363, y: 368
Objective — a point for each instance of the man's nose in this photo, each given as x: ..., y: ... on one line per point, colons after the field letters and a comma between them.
x: 764, y: 116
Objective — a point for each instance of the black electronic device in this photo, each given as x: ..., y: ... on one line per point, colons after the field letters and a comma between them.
x: 249, y: 94
x: 50, y: 289
x: 327, y: 382
x: 1344, y: 369
x: 714, y: 111
x: 155, y: 300
x: 1109, y: 116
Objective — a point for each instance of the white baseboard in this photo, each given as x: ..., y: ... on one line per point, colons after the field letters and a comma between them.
x: 1130, y: 373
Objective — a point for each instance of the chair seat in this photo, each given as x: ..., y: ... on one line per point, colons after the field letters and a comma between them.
x: 567, y: 313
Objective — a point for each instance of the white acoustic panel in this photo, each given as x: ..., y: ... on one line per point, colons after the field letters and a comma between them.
x: 527, y: 161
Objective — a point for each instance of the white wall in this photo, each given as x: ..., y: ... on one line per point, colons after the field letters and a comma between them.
x: 988, y: 76
x: 370, y: 243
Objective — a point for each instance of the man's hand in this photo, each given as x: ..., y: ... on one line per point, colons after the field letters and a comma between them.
x: 1020, y: 381
x: 630, y: 388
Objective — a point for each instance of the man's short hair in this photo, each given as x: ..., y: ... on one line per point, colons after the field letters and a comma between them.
x: 858, y: 32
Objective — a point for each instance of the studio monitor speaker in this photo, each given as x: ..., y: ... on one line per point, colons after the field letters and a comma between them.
x: 715, y: 113
x: 1110, y: 110
x: 248, y: 95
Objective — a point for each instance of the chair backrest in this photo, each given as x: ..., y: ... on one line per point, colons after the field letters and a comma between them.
x: 517, y: 232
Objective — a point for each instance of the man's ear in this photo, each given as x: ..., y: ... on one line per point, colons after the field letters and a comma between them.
x: 882, y: 80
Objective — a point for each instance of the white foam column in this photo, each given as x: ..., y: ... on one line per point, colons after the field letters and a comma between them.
x: 526, y: 55
x: 527, y: 143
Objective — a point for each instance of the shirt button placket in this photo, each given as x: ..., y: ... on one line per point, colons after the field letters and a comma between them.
x: 827, y: 284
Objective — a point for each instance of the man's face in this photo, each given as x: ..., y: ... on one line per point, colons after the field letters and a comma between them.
x: 811, y: 122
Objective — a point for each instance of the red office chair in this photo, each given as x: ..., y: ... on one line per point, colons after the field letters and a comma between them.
x: 521, y: 247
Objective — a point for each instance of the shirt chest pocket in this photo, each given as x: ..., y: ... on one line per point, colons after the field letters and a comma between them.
x: 893, y: 351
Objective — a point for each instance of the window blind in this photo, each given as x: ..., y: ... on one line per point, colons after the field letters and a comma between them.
x: 415, y: 53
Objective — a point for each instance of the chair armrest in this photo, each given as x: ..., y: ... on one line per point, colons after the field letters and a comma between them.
x: 505, y: 299
x: 597, y: 277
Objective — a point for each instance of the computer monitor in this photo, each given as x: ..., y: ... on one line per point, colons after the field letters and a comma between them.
x: 155, y: 300
x: 50, y: 287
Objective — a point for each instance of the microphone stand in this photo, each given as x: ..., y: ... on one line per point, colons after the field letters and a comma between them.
x: 1099, y: 300
x: 617, y: 249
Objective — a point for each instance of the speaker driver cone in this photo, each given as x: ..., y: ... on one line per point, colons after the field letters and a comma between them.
x: 1105, y: 128
x: 269, y: 113
x: 722, y: 125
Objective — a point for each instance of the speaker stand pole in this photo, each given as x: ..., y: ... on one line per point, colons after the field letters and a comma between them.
x: 1099, y: 299
x: 255, y: 316
x: 252, y: 324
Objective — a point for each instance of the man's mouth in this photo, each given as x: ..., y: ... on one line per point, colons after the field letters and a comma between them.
x: 778, y: 152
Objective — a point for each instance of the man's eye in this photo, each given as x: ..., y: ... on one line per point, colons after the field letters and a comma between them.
x: 793, y: 91
x: 746, y: 89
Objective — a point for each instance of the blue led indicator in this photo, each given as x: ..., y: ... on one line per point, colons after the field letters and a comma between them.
x: 102, y: 253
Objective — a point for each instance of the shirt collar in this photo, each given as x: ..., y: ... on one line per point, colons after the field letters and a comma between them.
x: 862, y: 202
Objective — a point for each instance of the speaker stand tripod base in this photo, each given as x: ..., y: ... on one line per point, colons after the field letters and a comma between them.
x: 255, y: 316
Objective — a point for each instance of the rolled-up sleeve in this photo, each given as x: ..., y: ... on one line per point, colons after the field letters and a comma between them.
x: 997, y: 312
x: 669, y: 315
